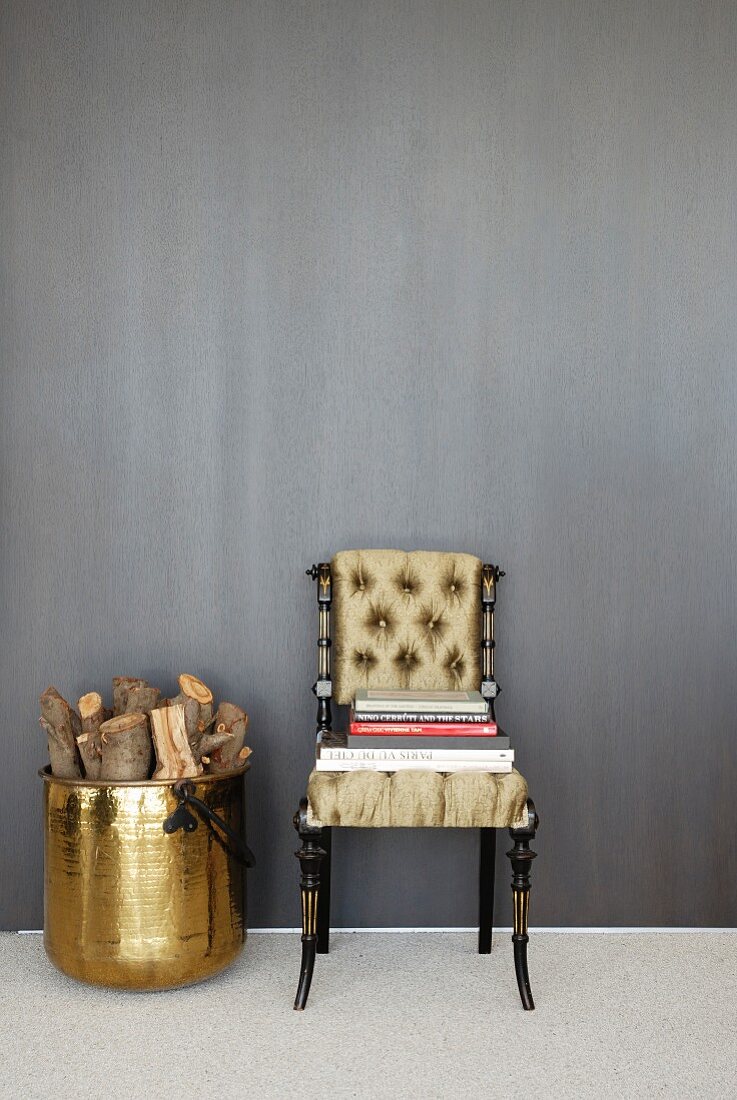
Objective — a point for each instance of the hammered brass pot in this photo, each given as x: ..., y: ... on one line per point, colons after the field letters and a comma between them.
x: 130, y: 906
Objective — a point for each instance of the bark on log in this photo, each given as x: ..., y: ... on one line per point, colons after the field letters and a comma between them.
x: 229, y: 719
x: 126, y: 748
x: 121, y: 686
x: 142, y: 699
x: 192, y: 725
x: 240, y: 758
x: 173, y: 753
x: 62, y: 726
x: 209, y: 742
x: 93, y: 714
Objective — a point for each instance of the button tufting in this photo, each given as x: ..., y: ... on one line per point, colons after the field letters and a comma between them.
x: 408, y: 590
x: 431, y: 624
x: 382, y: 623
x: 362, y: 586
x: 452, y: 588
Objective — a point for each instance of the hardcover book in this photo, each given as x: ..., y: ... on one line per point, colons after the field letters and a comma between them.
x: 496, y: 766
x: 418, y: 716
x: 481, y: 756
x: 417, y: 741
x: 446, y: 702
x: 423, y: 729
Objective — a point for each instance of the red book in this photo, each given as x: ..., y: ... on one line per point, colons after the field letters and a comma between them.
x: 426, y: 729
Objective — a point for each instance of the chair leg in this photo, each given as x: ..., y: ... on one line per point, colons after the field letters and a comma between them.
x: 521, y: 857
x: 487, y: 872
x: 310, y: 856
x: 323, y: 899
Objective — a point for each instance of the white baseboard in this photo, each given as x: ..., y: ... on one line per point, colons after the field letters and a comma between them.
x: 614, y: 930
x: 601, y: 931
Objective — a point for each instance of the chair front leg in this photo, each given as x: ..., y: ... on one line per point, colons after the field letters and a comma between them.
x: 310, y: 856
x: 521, y: 858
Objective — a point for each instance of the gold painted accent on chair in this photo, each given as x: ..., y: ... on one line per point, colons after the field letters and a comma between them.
x: 521, y: 911
x: 446, y: 585
x: 309, y: 912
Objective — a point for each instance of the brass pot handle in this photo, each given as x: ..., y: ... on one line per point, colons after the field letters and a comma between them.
x: 183, y: 819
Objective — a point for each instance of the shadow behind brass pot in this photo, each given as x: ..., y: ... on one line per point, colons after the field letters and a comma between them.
x: 130, y: 906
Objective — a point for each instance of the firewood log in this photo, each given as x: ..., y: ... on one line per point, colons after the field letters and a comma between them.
x: 174, y: 756
x: 142, y: 699
x: 62, y: 725
x: 229, y: 719
x: 196, y: 698
x: 93, y: 714
x: 121, y: 686
x: 126, y: 748
x: 192, y: 725
x: 192, y: 688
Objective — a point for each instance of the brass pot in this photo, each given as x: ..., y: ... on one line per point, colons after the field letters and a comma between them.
x: 129, y: 905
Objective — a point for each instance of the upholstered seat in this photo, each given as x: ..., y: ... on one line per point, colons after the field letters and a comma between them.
x: 422, y: 621
x: 417, y: 799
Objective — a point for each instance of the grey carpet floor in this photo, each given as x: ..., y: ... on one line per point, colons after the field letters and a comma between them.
x: 401, y: 1015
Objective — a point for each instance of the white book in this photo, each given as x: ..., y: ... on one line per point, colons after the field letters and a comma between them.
x: 443, y: 702
x: 479, y: 756
x: 496, y: 766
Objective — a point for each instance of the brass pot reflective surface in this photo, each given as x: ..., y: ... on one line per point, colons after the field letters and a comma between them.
x: 130, y: 906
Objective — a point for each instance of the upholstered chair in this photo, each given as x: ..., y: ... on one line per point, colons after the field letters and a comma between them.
x: 423, y: 621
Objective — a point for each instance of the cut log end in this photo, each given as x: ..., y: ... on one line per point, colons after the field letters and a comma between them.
x: 90, y: 704
x: 194, y: 688
x: 121, y: 724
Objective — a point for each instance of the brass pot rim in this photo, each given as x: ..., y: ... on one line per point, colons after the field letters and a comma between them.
x: 213, y: 777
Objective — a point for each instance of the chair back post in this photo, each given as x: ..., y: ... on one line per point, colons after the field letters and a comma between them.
x: 490, y: 575
x: 323, y: 688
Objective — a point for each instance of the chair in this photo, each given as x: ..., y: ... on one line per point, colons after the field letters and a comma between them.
x: 423, y: 621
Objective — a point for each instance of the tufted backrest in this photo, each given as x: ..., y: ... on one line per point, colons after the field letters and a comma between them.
x: 405, y: 621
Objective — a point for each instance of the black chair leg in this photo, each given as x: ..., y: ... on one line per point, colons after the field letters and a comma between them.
x: 323, y: 899
x: 487, y: 872
x: 310, y: 856
x: 521, y: 857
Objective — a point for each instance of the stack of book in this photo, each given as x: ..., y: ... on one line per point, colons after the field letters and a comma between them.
x: 440, y: 731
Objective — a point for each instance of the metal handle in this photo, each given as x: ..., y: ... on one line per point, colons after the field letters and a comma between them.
x: 183, y: 819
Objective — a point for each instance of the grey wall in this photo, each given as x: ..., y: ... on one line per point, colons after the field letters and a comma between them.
x: 284, y: 278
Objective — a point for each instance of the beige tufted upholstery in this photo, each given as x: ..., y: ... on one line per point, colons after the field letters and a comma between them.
x: 418, y: 799
x: 405, y: 620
